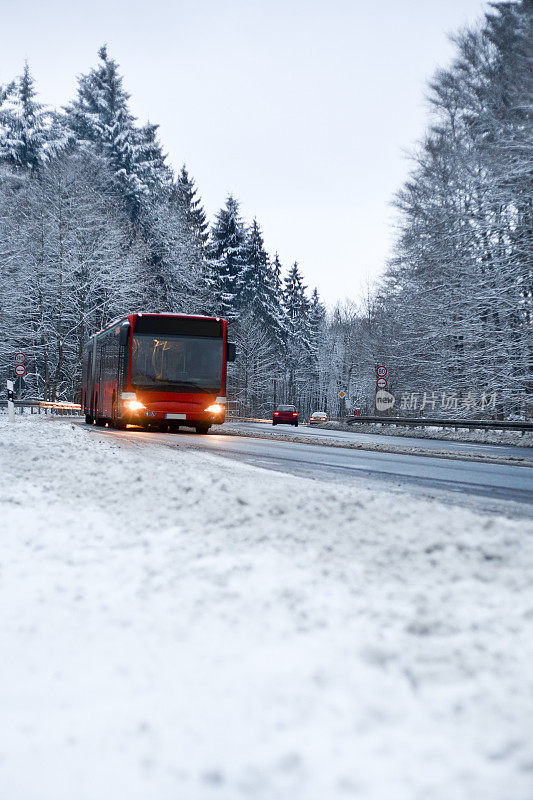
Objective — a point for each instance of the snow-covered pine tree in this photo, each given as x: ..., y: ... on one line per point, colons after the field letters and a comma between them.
x: 317, y: 319
x: 7, y: 153
x: 299, y: 361
x: 227, y: 257
x: 259, y: 287
x: 294, y: 297
x: 154, y: 174
x: 100, y: 114
x: 6, y: 91
x: 276, y: 270
x: 24, y: 124
x: 255, y: 275
x: 190, y: 202
x: 277, y: 282
x: 174, y: 266
x: 258, y: 333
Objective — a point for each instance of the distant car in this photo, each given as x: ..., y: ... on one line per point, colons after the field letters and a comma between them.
x: 285, y: 415
x: 317, y: 417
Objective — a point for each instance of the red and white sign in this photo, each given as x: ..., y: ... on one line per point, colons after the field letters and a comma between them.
x: 381, y: 383
x: 20, y: 358
x: 381, y: 371
x: 20, y: 370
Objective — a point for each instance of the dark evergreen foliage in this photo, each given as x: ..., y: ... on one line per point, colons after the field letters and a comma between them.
x: 294, y: 297
x: 227, y: 255
x: 189, y: 201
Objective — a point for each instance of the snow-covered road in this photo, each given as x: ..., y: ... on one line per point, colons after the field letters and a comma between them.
x: 177, y: 625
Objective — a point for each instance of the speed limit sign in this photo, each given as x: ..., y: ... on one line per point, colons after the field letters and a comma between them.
x: 381, y: 371
x: 20, y: 358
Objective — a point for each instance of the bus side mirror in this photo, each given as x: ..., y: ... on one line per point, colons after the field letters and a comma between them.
x: 124, y: 334
x: 231, y: 351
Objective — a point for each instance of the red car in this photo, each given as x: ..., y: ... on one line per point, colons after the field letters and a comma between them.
x: 285, y: 415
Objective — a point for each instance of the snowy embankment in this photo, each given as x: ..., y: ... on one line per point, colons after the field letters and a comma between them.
x: 175, y: 625
x: 515, y: 438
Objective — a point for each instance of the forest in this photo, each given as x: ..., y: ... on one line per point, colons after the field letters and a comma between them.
x: 95, y: 223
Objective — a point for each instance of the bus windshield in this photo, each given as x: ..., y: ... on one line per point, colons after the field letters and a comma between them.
x: 176, y: 363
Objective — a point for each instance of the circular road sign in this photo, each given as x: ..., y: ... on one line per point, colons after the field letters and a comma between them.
x: 20, y: 370
x: 381, y: 383
x: 20, y: 358
x: 381, y: 371
x: 342, y: 395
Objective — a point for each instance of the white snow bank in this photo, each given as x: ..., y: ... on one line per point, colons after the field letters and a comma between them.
x: 515, y: 438
x: 175, y: 625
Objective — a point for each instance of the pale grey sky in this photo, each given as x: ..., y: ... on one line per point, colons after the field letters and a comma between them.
x: 301, y: 108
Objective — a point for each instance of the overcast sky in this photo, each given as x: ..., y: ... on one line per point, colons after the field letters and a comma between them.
x: 301, y: 108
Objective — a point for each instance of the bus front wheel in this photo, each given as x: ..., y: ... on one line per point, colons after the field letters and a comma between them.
x: 88, y: 419
x: 202, y: 428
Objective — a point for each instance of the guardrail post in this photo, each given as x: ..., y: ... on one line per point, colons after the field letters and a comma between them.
x: 10, y: 403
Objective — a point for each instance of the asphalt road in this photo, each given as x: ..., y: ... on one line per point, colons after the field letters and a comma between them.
x: 304, y: 432
x: 494, y: 481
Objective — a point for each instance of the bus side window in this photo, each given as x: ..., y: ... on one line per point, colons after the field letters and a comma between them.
x: 97, y: 362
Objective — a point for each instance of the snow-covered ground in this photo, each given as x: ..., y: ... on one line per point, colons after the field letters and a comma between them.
x: 175, y: 625
x: 516, y: 438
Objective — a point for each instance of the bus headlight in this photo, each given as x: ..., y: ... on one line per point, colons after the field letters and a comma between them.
x: 216, y: 408
x: 133, y: 405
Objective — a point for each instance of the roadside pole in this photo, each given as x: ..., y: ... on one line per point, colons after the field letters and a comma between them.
x: 10, y: 403
x: 383, y: 400
x: 20, y: 371
x: 342, y: 404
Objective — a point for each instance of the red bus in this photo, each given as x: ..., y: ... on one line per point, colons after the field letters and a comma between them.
x: 157, y: 370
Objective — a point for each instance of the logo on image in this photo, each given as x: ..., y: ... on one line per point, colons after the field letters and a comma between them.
x: 384, y: 400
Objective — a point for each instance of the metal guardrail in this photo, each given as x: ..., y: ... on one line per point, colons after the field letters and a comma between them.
x: 471, y: 424
x: 36, y: 406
